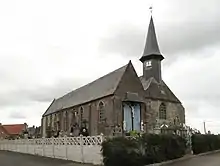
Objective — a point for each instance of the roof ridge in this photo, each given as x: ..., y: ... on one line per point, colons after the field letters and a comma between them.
x: 49, y: 106
x: 171, y: 91
x: 92, y: 81
x: 126, y: 66
x: 100, y: 87
x: 151, y: 79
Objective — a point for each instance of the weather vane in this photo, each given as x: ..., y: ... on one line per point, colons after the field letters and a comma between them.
x: 151, y: 9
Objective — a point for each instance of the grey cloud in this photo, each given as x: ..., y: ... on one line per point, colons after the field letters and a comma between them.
x: 172, y: 40
x: 185, y: 32
x: 45, y: 94
x: 128, y: 41
x: 183, y: 38
x: 17, y: 115
x: 24, y: 95
x: 202, y: 107
x: 195, y: 80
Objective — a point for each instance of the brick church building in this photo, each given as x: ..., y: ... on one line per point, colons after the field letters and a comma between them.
x: 119, y: 102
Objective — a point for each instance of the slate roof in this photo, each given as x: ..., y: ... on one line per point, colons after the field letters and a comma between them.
x: 99, y: 88
x: 151, y: 45
x: 155, y: 90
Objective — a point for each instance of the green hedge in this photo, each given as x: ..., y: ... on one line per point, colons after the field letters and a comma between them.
x: 143, y: 150
x: 121, y: 151
x: 204, y: 143
x: 160, y: 148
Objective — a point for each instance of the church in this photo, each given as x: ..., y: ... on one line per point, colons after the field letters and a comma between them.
x: 119, y: 102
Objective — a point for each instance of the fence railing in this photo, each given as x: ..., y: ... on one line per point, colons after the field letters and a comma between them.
x: 79, y: 149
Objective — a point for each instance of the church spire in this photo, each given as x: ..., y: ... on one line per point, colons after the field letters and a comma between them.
x: 151, y: 50
x: 152, y: 57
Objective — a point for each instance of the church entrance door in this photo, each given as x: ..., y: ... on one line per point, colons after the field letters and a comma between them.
x: 132, y: 116
x: 137, y: 117
x: 127, y: 118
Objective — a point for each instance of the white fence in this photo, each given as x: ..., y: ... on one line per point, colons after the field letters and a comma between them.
x: 79, y: 149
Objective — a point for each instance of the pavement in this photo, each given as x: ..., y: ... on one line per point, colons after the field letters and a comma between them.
x: 205, y: 160
x: 19, y: 159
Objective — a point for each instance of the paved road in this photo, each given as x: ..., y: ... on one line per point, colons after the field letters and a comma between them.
x: 18, y: 159
x: 13, y: 159
x: 207, y: 160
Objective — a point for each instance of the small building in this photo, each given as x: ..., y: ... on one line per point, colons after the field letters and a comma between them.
x: 118, y: 102
x: 34, y: 132
x: 12, y: 131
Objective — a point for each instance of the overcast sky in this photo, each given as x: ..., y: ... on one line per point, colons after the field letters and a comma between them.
x: 50, y: 47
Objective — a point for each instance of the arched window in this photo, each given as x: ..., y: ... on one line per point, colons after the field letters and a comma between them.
x: 81, y: 114
x: 64, y: 120
x: 162, y: 111
x: 65, y: 116
x: 73, y: 116
x: 101, y: 109
x: 48, y: 120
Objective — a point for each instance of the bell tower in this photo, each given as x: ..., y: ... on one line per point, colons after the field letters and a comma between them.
x: 152, y: 57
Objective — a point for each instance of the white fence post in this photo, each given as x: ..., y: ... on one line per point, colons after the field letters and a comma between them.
x: 81, y: 148
x: 53, y: 147
x: 34, y: 144
x: 27, y: 144
x: 43, y: 140
x: 65, y: 144
x: 15, y: 145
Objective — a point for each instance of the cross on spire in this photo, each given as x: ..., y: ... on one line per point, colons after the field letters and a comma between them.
x: 151, y: 10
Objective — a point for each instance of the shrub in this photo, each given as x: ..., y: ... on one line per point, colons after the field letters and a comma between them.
x: 121, y: 151
x: 160, y: 148
x: 204, y: 143
x: 146, y: 149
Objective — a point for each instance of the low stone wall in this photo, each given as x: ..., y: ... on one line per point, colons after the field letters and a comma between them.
x: 79, y: 149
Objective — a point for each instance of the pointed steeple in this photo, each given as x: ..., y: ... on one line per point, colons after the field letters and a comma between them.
x: 151, y: 50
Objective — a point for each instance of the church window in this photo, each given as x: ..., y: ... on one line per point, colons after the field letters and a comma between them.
x: 162, y: 111
x: 65, y: 120
x: 73, y: 115
x: 81, y: 114
x: 101, y: 110
x: 51, y: 120
x: 48, y: 120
